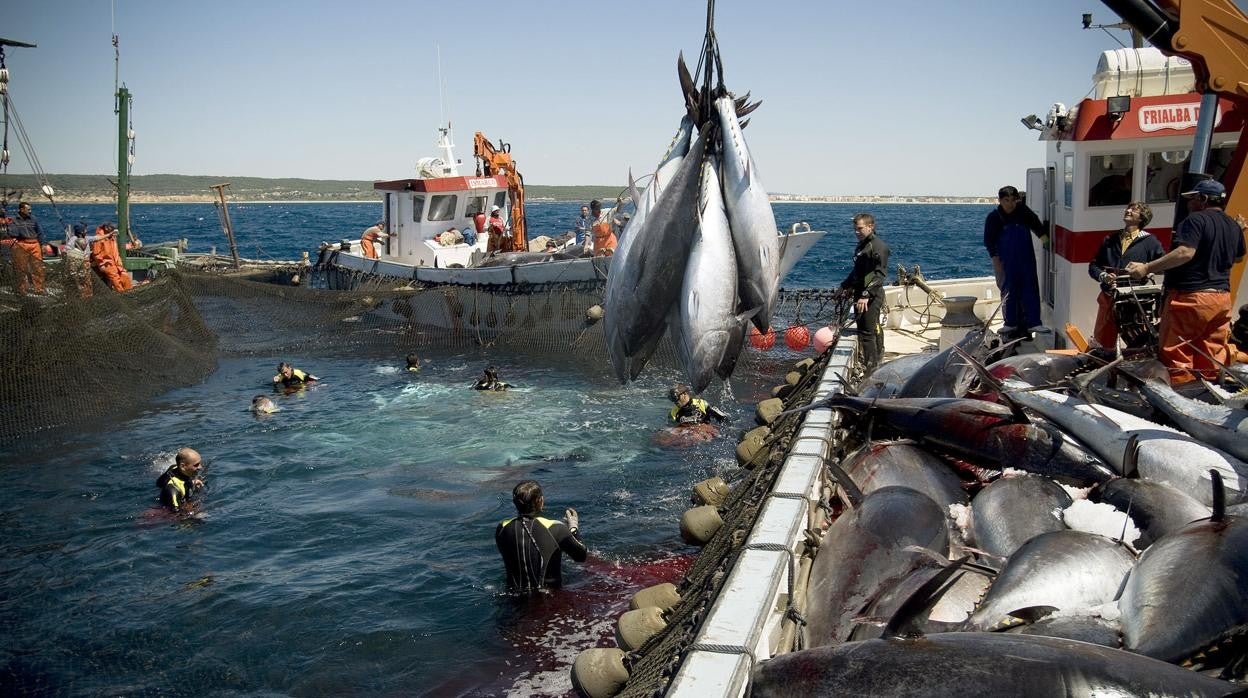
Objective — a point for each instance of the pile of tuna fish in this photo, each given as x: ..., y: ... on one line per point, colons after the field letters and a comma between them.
x: 1016, y: 534
x: 699, y: 258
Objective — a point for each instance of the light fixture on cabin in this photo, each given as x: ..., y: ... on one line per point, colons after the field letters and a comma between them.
x: 1117, y: 106
x: 1033, y: 122
x: 1175, y: 157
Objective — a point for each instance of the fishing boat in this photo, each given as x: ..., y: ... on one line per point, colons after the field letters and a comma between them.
x: 1145, y: 134
x: 418, y: 211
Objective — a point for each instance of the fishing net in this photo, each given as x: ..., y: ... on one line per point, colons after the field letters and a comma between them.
x: 83, y: 358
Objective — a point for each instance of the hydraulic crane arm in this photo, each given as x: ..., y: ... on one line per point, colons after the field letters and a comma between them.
x: 497, y: 161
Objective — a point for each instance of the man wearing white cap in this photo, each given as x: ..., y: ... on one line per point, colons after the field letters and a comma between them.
x: 1196, y: 318
x: 496, y: 228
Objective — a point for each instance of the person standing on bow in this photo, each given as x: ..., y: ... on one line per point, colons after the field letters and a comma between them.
x: 370, y: 238
x: 1007, y: 236
x: 866, y: 284
x: 1196, y: 318
x: 27, y: 250
x: 1131, y: 244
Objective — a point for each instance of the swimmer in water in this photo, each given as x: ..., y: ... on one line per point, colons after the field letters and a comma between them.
x: 292, y: 377
x: 489, y: 381
x: 413, y: 363
x: 691, y: 410
x: 179, y: 484
x: 261, y: 404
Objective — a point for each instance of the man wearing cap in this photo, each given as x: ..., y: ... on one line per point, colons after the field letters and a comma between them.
x: 602, y: 229
x: 368, y: 241
x: 106, y: 259
x: 497, y: 231
x: 1007, y: 236
x: 27, y: 250
x: 1196, y: 318
x: 77, y: 252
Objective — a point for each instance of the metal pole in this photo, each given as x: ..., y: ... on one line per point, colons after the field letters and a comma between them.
x: 123, y: 164
x: 225, y: 221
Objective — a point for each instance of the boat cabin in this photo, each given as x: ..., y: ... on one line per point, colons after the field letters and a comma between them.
x: 1130, y: 141
x: 418, y: 211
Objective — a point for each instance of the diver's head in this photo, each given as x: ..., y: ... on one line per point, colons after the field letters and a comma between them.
x: 262, y: 403
x: 678, y: 394
x: 491, y: 373
x: 527, y: 496
x: 413, y: 361
x: 285, y: 369
x: 188, y: 461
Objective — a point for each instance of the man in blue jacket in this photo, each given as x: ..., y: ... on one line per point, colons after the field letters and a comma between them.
x: 1007, y: 236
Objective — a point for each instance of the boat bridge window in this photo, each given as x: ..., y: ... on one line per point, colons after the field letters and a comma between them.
x: 1068, y: 179
x: 1165, y: 175
x: 442, y: 207
x: 500, y: 199
x: 476, y: 204
x: 418, y: 208
x: 1111, y: 176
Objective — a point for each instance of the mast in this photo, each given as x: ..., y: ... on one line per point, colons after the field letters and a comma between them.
x: 122, y: 110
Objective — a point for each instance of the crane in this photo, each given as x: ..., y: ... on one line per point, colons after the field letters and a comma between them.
x: 497, y: 161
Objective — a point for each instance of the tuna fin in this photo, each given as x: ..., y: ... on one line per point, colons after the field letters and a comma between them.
x: 1219, y: 496
x: 905, y: 622
x: 743, y: 123
x: 1126, y: 520
x: 990, y: 381
x: 1131, y: 457
x: 847, y: 483
x: 1030, y: 614
x: 689, y: 89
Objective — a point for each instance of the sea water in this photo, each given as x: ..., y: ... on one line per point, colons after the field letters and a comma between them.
x: 344, y: 544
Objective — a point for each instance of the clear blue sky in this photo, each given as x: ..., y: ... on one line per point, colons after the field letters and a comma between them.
x: 891, y: 97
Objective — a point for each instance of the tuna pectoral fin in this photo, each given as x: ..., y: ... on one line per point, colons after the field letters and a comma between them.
x: 847, y: 483
x: 1030, y: 614
x: 1131, y: 457
x: 991, y: 383
x: 1219, y: 496
x: 689, y: 89
x: 905, y: 622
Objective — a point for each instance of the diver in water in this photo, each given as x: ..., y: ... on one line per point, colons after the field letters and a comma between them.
x: 691, y: 410
x: 180, y: 482
x: 292, y: 377
x: 532, y: 547
x: 261, y: 404
x: 489, y: 381
x: 413, y: 363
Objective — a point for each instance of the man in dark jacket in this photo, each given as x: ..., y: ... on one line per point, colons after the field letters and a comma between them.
x: 1131, y: 244
x: 866, y: 285
x: 180, y: 482
x: 1007, y: 236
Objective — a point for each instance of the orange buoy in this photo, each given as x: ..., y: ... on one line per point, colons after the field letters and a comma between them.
x: 824, y: 338
x: 761, y: 340
x: 797, y: 337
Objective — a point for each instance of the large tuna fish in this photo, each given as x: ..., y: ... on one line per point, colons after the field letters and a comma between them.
x: 1013, y: 510
x: 649, y: 274
x: 868, y: 550
x: 883, y: 463
x: 1156, y: 508
x: 887, y: 380
x: 707, y: 331
x: 976, y: 664
x: 1188, y: 590
x: 1220, y: 426
x: 983, y: 432
x: 1089, y: 628
x: 754, y: 232
x: 1063, y: 571
x: 1164, y: 454
x: 948, y: 373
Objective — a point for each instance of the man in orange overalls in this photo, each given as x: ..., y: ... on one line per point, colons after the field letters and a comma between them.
x: 27, y: 250
x: 1196, y: 319
x: 604, y: 238
x: 106, y: 259
x: 370, y: 238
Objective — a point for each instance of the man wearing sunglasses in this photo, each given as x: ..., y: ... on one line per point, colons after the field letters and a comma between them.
x: 180, y: 482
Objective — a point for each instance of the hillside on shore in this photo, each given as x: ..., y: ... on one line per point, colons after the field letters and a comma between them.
x: 166, y: 188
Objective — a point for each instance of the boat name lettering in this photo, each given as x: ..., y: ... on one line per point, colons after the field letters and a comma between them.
x: 1172, y: 116
x: 481, y: 182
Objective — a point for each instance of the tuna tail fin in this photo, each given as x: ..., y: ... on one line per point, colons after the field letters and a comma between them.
x: 1131, y: 457
x: 992, y: 383
x: 847, y: 483
x: 689, y: 89
x: 905, y: 622
x: 1219, y: 496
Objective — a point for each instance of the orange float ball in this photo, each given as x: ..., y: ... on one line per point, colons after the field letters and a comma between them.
x: 762, y: 340
x: 797, y: 337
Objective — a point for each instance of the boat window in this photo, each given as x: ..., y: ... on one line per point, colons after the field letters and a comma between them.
x: 1219, y: 159
x: 476, y: 204
x: 442, y: 207
x: 418, y: 207
x: 1165, y: 175
x: 500, y: 199
x: 1110, y: 175
x: 1068, y: 179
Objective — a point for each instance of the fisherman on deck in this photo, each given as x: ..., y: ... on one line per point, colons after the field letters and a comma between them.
x: 180, y: 482
x: 1131, y: 244
x: 1007, y: 236
x: 532, y: 547
x: 866, y: 284
x: 582, y: 226
x: 691, y: 410
x: 291, y: 377
x: 77, y: 254
x: 27, y: 250
x: 370, y: 238
x: 106, y: 259
x: 489, y: 381
x: 603, y: 236
x: 1196, y: 318
x: 496, y: 228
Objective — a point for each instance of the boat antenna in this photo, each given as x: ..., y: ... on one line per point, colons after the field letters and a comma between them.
x: 441, y: 88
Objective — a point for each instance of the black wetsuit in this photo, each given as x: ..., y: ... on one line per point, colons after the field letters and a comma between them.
x: 532, y: 549
x: 696, y: 411
x: 866, y: 281
x: 295, y: 379
x: 488, y: 384
x: 176, y: 489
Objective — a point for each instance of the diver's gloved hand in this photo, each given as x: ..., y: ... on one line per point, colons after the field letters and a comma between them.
x: 572, y: 518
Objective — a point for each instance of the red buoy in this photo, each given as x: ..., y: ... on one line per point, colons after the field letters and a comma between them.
x: 797, y: 337
x: 761, y: 340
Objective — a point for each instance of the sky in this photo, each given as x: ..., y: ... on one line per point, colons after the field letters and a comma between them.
x: 907, y: 97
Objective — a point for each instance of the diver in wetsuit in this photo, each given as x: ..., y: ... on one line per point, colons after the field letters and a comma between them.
x: 292, y: 377
x: 489, y: 381
x: 691, y: 410
x: 532, y: 547
x: 180, y: 482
